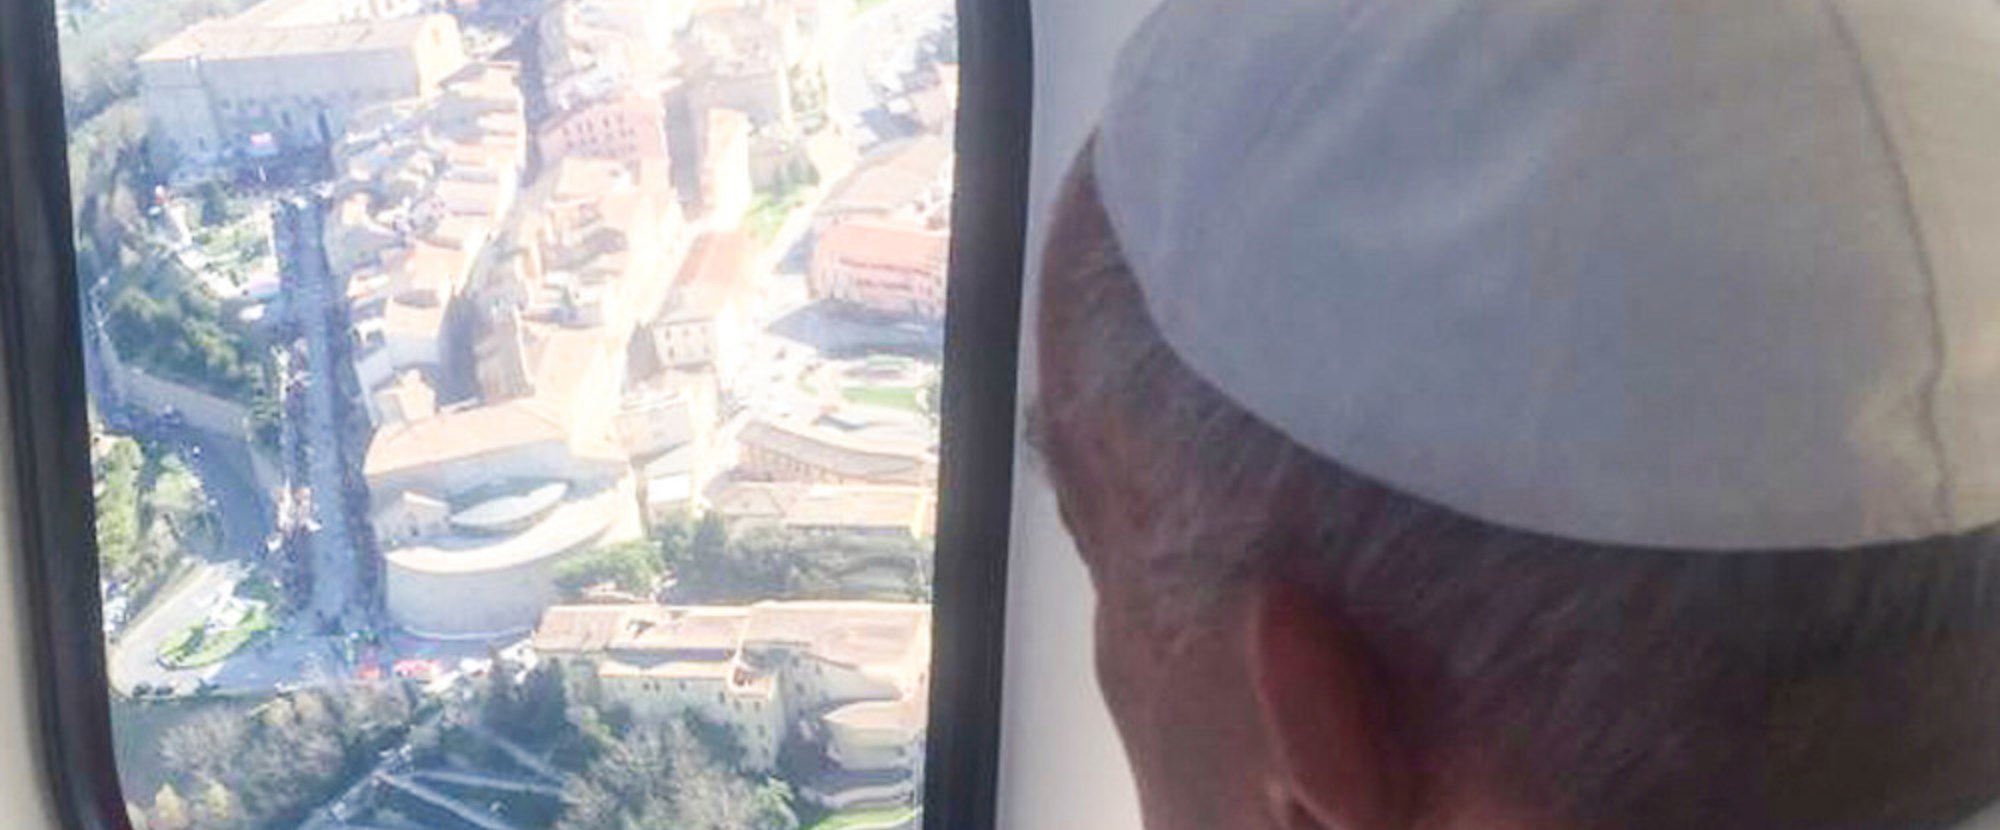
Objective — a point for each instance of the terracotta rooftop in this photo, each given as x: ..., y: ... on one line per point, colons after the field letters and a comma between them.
x: 863, y: 507
x: 842, y: 456
x: 249, y: 39
x: 800, y: 505
x: 560, y: 361
x: 580, y: 628
x: 715, y: 272
x: 891, y: 179
x: 460, y: 434
x: 741, y: 501
x: 862, y: 634
x: 887, y: 245
x: 413, y: 314
x: 888, y: 635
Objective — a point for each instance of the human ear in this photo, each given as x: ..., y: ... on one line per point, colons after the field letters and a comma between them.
x: 1335, y: 762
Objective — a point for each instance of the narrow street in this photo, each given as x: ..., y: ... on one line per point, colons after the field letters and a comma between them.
x: 246, y: 514
x: 306, y: 273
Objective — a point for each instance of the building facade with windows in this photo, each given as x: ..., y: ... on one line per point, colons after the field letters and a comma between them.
x: 774, y: 450
x: 706, y: 321
x: 273, y: 80
x: 854, y: 674
x: 625, y: 128
x: 885, y: 267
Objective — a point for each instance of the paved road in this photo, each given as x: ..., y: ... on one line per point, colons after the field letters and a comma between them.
x: 247, y: 518
x: 333, y: 551
x: 132, y: 660
x: 858, y: 46
x: 244, y: 514
x: 445, y: 802
x: 276, y: 659
x: 489, y: 781
x: 241, y: 505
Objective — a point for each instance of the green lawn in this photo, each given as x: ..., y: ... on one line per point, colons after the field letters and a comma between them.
x: 768, y: 211
x: 867, y: 819
x: 179, y: 652
x: 889, y: 397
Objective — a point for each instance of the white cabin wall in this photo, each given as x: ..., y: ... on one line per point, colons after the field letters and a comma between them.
x: 1061, y: 766
x: 26, y: 793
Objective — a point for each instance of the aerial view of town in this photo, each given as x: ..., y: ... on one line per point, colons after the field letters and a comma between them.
x: 514, y: 414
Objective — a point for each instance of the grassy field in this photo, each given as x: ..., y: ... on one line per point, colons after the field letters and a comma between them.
x: 768, y: 211
x: 867, y: 819
x: 889, y: 397
x: 182, y: 652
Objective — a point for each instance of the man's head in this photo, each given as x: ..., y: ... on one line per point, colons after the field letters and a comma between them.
x: 1287, y: 643
x: 1572, y: 414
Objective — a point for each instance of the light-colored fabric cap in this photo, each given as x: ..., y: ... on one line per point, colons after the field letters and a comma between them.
x: 1675, y: 273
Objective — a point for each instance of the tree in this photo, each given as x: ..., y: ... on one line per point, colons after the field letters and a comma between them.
x: 203, y: 744
x: 268, y: 769
x: 590, y: 806
x: 718, y: 741
x: 292, y: 756
x: 670, y: 775
x: 768, y: 563
x: 771, y: 807
x: 587, y: 739
x: 672, y: 540
x: 118, y: 507
x: 634, y: 567
x: 161, y: 322
x: 709, y: 540
x: 544, y: 706
x: 216, y: 808
x: 930, y: 398
x: 267, y: 418
x: 170, y: 811
x: 500, y: 706
x: 214, y: 204
x: 631, y: 785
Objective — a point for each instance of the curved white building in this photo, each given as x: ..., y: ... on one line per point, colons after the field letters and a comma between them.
x: 491, y: 569
x: 475, y: 508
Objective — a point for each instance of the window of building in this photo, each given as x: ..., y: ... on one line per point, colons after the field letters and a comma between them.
x: 243, y: 443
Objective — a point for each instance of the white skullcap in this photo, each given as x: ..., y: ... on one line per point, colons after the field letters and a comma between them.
x: 1680, y: 273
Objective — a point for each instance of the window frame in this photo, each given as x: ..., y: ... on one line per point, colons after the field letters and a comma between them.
x: 40, y: 316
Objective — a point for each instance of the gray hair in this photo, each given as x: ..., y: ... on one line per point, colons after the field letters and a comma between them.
x: 1621, y: 687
